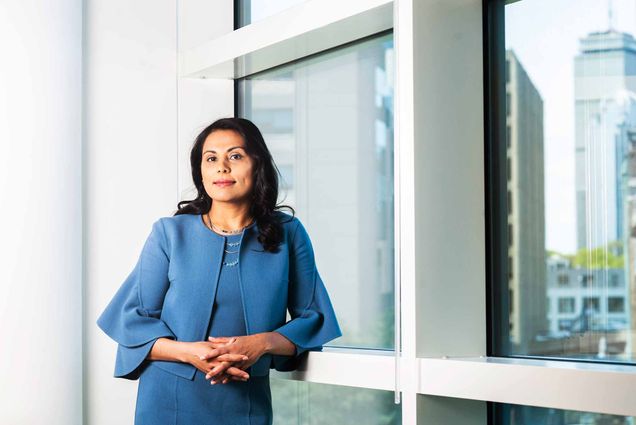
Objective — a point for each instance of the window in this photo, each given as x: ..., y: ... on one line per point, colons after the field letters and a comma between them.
x: 586, y: 279
x: 510, y: 232
x: 327, y: 119
x: 530, y: 415
x: 566, y: 305
x: 511, y: 296
x: 565, y: 324
x: 510, y: 269
x: 508, y: 104
x: 591, y: 304
x: 508, y: 137
x: 568, y: 104
x: 275, y: 120
x: 250, y: 11
x: 302, y: 403
x: 563, y: 279
x: 507, y: 71
x: 509, y: 169
x: 287, y: 177
x: 509, y: 203
x: 615, y: 304
x: 297, y: 106
x: 615, y: 280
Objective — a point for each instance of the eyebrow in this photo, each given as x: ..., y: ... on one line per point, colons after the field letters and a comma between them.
x: 233, y: 147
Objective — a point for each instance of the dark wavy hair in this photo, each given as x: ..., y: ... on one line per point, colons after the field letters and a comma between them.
x: 265, y: 176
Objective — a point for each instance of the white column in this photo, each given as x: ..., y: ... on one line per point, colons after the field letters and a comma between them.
x: 40, y: 218
x: 130, y: 138
x: 140, y: 124
x: 443, y: 210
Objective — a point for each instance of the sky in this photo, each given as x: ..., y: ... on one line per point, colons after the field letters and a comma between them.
x: 545, y: 35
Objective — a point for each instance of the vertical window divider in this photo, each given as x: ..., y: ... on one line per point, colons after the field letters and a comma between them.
x: 396, y: 208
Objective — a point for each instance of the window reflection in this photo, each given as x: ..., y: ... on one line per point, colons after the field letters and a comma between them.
x: 328, y: 122
x: 303, y: 403
x: 528, y: 415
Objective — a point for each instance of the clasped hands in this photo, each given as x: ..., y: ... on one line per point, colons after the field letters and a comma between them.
x: 225, y: 358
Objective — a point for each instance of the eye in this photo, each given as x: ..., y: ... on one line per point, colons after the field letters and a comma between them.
x: 236, y: 155
x: 210, y: 158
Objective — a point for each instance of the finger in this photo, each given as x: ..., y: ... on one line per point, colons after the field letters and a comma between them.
x: 216, y: 344
x: 218, y: 369
x: 214, y: 380
x: 210, y: 354
x: 222, y: 339
x: 236, y: 372
x: 215, y: 353
x: 230, y: 357
x: 221, y: 379
x: 214, y: 371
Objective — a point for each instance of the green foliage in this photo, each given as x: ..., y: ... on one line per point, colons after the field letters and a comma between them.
x: 603, y: 257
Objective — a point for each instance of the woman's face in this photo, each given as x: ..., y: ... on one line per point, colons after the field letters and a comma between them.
x: 226, y: 168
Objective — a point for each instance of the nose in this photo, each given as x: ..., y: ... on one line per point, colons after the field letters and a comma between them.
x: 222, y: 168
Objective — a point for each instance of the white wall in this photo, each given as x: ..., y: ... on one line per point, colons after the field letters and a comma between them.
x: 201, y: 101
x: 135, y: 168
x: 40, y: 218
x: 130, y: 168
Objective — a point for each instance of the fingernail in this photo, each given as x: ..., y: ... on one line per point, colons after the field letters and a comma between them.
x: 245, y: 357
x: 212, y: 382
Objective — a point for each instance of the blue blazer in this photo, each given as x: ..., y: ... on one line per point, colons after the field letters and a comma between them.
x: 170, y: 293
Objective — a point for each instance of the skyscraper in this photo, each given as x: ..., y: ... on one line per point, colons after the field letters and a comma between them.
x: 526, y: 214
x: 605, y: 109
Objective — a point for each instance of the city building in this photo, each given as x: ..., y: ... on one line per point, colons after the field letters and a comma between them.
x: 605, y: 109
x: 525, y: 200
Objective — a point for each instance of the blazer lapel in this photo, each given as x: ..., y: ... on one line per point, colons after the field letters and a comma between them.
x: 206, y: 257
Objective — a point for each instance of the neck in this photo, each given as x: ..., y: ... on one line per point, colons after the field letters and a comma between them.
x: 229, y: 216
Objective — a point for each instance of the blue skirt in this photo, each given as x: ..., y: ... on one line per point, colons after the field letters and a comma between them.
x: 167, y: 399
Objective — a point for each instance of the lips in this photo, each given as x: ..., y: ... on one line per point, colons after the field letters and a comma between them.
x: 224, y: 183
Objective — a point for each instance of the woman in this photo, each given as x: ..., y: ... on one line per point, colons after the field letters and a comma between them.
x: 206, y: 302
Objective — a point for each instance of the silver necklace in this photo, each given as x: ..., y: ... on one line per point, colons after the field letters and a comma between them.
x: 227, y: 232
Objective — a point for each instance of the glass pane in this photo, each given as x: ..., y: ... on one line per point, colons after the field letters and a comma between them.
x: 328, y: 122
x: 528, y: 415
x: 571, y: 155
x: 250, y: 11
x: 303, y: 403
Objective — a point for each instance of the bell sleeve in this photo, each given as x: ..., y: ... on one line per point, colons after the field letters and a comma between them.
x: 133, y: 316
x: 313, y: 320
